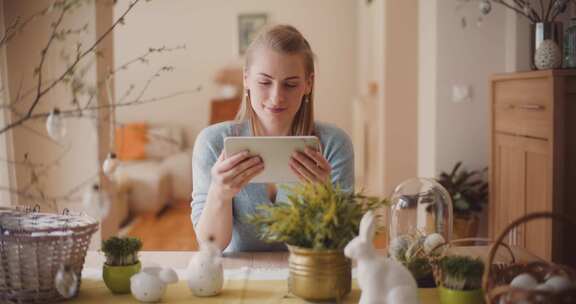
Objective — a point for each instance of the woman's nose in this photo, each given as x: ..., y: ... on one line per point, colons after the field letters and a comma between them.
x: 277, y: 95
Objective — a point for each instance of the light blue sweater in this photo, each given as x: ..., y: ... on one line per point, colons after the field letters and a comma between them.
x: 337, y: 149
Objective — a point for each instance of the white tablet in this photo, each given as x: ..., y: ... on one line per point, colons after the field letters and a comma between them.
x: 275, y: 151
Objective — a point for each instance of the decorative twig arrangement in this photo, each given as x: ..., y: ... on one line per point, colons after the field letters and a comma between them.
x: 534, y: 10
x: 83, y: 101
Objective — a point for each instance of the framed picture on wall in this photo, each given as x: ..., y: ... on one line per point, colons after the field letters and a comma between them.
x: 248, y: 27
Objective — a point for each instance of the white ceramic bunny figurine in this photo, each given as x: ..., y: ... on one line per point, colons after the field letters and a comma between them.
x: 205, y: 272
x: 382, y: 280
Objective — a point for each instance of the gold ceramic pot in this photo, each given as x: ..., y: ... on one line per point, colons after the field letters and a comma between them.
x: 318, y: 275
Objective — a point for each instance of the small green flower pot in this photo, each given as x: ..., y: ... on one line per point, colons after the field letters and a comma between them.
x: 451, y: 296
x: 117, y: 278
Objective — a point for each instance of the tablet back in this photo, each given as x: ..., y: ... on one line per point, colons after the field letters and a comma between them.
x: 275, y: 151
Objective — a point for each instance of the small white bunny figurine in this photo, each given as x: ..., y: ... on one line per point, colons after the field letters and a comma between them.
x: 205, y: 272
x: 382, y: 280
x: 149, y: 285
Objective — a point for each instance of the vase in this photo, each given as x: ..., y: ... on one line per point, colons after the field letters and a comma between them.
x: 541, y: 31
x: 570, y: 44
x: 319, y: 275
x: 117, y: 278
x: 451, y: 296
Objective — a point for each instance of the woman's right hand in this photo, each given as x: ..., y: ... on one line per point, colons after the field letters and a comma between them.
x: 230, y: 175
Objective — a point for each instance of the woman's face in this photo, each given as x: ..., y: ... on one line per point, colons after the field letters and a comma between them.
x: 277, y: 83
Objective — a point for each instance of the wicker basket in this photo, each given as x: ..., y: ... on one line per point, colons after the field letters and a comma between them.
x: 33, y: 246
x: 496, y: 280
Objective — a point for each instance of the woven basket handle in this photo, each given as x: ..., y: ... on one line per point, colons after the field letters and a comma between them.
x: 504, y: 233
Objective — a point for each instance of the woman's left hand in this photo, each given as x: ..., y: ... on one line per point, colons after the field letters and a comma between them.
x: 310, y: 166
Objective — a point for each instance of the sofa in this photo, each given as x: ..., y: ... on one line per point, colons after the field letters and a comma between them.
x: 155, y: 166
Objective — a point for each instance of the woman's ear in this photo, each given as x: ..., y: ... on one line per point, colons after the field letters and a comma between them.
x: 309, y: 83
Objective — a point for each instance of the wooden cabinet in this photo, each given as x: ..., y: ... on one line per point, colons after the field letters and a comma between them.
x: 533, y: 159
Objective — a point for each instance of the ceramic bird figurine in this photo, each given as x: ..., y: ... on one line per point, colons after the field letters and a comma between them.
x: 205, y: 272
x: 382, y: 280
x: 149, y: 285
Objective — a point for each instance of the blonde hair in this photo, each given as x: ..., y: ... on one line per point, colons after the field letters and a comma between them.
x: 285, y: 39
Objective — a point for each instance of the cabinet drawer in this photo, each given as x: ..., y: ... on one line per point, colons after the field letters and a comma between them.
x: 523, y: 107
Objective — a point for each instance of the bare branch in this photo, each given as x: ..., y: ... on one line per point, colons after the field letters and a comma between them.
x: 514, y: 8
x: 17, y: 26
x: 71, y: 68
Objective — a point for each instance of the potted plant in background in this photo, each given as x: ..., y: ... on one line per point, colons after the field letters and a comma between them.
x: 469, y: 192
x: 121, y: 262
x: 460, y: 280
x: 316, y: 224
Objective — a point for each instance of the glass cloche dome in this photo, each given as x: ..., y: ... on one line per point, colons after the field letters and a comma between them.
x: 420, y: 219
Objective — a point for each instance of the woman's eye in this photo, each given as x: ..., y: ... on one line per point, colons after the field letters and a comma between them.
x: 263, y: 82
x: 291, y: 85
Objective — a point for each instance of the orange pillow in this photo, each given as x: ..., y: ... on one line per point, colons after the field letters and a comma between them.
x: 131, y: 140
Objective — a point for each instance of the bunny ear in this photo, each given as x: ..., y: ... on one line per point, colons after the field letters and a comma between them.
x: 367, y: 226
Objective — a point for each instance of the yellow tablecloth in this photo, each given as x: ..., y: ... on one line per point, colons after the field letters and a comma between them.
x: 235, y: 291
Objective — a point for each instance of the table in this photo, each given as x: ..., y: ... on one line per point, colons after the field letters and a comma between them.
x: 250, y: 278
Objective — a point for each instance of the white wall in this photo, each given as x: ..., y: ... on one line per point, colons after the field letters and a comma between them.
x: 427, y: 79
x: 77, y: 153
x: 466, y: 56
x: 208, y: 28
x: 6, y: 171
x: 451, y: 132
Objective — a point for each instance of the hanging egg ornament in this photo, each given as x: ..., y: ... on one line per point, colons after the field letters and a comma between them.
x: 485, y: 7
x: 66, y: 281
x: 56, y: 125
x: 96, y: 203
x: 110, y: 164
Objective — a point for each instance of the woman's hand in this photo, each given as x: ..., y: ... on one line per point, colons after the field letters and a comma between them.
x: 230, y: 175
x: 310, y: 166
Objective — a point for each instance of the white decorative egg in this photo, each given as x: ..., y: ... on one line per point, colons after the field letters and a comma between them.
x: 524, y: 281
x: 146, y: 287
x: 66, y: 281
x: 544, y: 287
x: 548, y: 55
x: 398, y: 246
x: 485, y: 7
x: 432, y: 241
x: 559, y: 283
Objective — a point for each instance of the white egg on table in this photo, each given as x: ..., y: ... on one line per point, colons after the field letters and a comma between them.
x: 559, y: 283
x: 432, y: 241
x: 544, y: 287
x: 524, y: 281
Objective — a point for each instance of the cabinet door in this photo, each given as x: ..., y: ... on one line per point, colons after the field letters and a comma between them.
x: 507, y: 186
x: 538, y: 197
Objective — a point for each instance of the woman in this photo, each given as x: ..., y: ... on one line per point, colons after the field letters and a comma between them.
x: 279, y: 83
